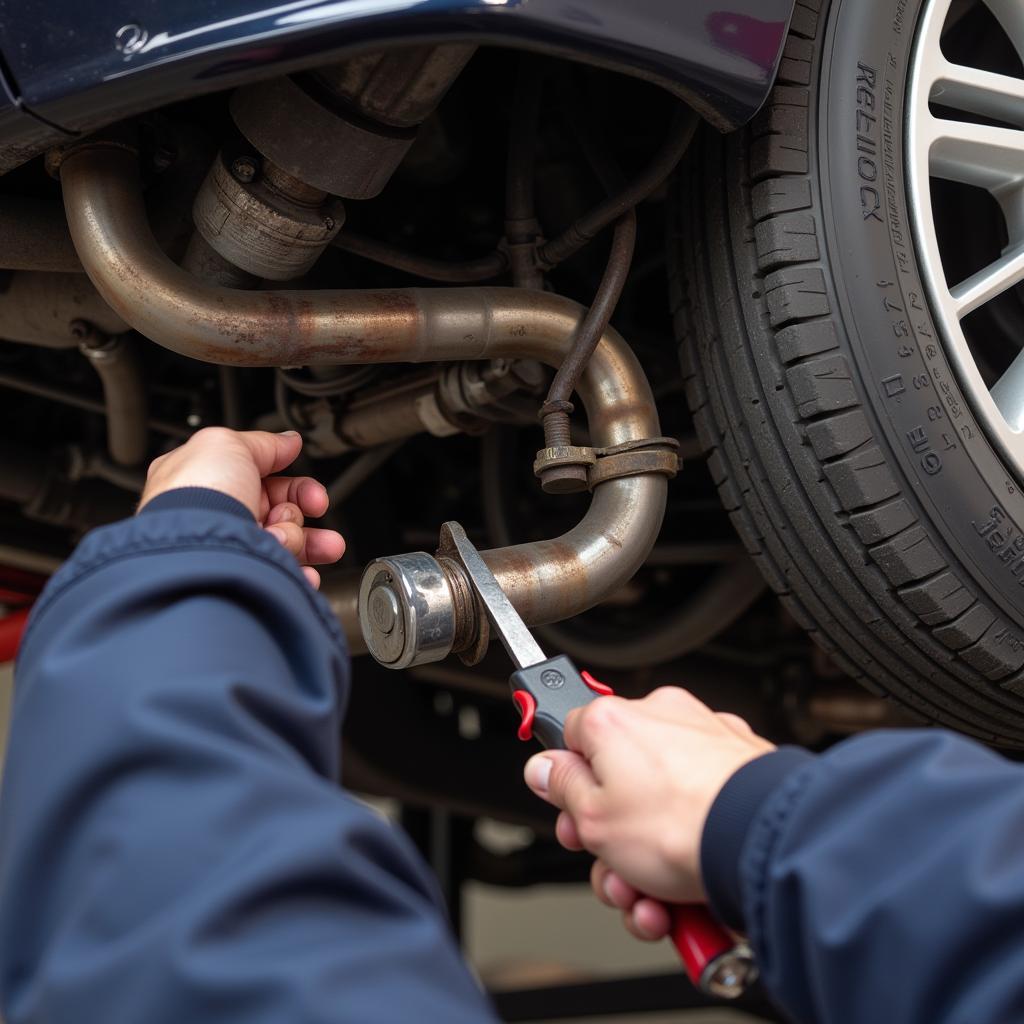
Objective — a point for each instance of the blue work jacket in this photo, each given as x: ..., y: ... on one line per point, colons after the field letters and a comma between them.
x: 175, y: 848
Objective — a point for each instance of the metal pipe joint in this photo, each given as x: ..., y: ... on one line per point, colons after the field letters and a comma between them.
x: 546, y: 581
x: 454, y: 400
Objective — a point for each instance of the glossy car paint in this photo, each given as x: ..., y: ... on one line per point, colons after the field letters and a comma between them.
x: 78, y: 65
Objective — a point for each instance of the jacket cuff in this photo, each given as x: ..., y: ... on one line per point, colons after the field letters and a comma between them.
x: 200, y: 498
x: 728, y: 825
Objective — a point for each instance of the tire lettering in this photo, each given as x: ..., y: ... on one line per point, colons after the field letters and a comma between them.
x: 865, y: 127
x: 921, y: 445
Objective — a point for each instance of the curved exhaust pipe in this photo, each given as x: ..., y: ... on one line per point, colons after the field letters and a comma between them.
x: 546, y: 581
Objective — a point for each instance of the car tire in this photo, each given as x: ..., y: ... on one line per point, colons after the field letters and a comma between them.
x: 853, y: 467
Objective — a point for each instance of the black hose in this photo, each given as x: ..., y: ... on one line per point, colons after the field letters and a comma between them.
x: 557, y: 406
x: 359, y: 470
x: 59, y: 395
x: 548, y: 255
x: 522, y: 143
x: 349, y: 379
x: 587, y: 227
x: 429, y: 268
x: 521, y: 227
x: 232, y: 406
x: 590, y: 331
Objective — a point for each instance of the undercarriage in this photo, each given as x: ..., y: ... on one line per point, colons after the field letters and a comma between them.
x: 413, y: 258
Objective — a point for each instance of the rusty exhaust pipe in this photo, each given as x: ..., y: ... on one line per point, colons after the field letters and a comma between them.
x: 546, y: 581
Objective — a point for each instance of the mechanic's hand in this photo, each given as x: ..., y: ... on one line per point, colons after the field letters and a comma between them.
x: 240, y: 464
x: 635, y: 788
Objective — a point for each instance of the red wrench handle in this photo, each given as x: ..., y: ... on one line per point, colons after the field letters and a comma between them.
x: 545, y: 693
x: 717, y: 964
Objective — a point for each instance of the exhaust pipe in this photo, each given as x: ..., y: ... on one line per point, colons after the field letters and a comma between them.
x: 546, y: 581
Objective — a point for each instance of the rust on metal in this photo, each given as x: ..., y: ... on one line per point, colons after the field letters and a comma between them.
x: 545, y: 581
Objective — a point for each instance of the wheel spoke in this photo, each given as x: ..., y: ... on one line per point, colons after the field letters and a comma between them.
x: 1008, y: 394
x: 980, y: 92
x: 990, y: 282
x: 977, y: 154
x: 1010, y: 14
x: 986, y: 156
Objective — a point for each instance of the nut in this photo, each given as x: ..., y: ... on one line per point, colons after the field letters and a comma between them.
x: 243, y: 168
x: 383, y: 609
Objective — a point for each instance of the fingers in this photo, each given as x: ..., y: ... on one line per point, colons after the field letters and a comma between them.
x: 645, y: 919
x: 309, y: 546
x: 290, y: 536
x: 735, y: 724
x: 648, y: 920
x: 271, y: 452
x: 565, y: 780
x: 587, y: 727
x: 307, y: 494
x: 566, y: 832
x: 286, y: 512
x: 323, y: 547
x: 312, y: 576
x: 610, y: 889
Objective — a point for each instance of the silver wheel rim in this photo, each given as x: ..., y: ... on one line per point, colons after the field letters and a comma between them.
x: 983, y: 156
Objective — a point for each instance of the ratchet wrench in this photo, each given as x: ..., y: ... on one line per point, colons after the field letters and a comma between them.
x: 545, y: 690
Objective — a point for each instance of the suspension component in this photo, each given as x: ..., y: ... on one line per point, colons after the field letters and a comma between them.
x: 117, y: 364
x: 454, y: 400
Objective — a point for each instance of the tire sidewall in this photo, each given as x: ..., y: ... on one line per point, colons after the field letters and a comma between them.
x: 959, y: 481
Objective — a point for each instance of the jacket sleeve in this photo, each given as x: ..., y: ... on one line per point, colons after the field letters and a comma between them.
x: 882, y: 880
x: 173, y: 842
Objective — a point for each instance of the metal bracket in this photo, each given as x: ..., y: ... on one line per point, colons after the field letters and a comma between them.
x: 644, y: 455
x: 647, y: 455
x: 564, y: 455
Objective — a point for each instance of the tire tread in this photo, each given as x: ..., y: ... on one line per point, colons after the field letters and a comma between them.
x: 901, y: 620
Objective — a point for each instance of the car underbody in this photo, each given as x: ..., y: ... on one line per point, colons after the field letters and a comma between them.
x: 455, y: 270
x: 296, y: 310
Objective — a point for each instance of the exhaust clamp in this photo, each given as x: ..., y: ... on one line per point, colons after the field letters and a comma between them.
x: 631, y: 458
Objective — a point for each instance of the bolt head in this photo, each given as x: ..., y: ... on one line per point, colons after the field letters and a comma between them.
x: 383, y: 609
x: 243, y: 169
x: 564, y: 479
x: 406, y: 611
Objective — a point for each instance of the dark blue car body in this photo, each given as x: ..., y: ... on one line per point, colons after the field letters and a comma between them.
x: 70, y: 67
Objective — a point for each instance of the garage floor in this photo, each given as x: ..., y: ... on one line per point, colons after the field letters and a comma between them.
x: 554, y: 934
x: 546, y: 935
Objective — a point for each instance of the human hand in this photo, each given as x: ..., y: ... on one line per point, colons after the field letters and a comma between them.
x: 241, y: 464
x: 635, y: 788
